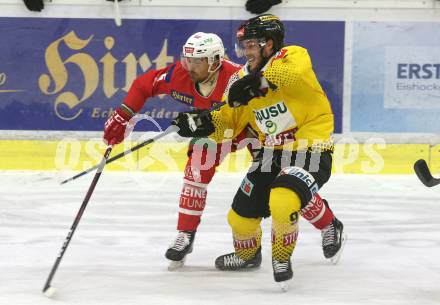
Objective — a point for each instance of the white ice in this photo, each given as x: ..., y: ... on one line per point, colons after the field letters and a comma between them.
x: 117, y: 253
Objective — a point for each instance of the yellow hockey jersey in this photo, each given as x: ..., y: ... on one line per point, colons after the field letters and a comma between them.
x: 294, y: 115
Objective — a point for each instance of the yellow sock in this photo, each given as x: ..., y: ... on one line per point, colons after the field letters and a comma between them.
x: 246, y: 233
x: 284, y: 205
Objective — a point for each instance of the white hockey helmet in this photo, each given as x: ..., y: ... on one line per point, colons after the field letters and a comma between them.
x: 201, y: 45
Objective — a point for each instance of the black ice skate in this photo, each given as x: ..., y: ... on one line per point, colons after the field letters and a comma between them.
x: 182, y: 246
x: 282, y: 272
x: 333, y: 240
x: 232, y: 262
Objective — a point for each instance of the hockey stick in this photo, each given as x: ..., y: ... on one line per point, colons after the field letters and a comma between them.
x: 424, y: 174
x: 48, y: 290
x: 170, y: 129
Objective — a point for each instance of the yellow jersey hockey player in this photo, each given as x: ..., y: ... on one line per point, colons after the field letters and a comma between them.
x: 278, y: 95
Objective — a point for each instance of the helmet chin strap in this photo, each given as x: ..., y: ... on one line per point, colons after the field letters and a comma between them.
x: 262, y: 63
x: 211, y: 73
x: 206, y: 87
x: 210, y: 76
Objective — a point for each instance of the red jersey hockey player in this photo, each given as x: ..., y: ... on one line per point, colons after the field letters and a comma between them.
x: 198, y: 80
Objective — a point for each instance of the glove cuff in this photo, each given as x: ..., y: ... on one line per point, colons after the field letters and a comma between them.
x: 126, y: 112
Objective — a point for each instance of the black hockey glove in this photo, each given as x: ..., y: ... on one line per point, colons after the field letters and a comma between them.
x: 194, y: 124
x: 260, y: 6
x: 34, y: 5
x: 245, y: 89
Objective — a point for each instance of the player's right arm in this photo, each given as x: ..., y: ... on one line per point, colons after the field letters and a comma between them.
x: 150, y: 84
x: 228, y: 122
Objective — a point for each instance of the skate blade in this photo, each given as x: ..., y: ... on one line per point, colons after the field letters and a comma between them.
x: 284, y: 286
x: 335, y: 259
x: 174, y: 265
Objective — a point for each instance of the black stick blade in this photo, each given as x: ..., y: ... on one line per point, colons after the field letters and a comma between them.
x: 49, y: 291
x: 424, y: 174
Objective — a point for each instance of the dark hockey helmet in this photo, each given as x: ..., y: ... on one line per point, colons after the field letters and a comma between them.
x: 266, y: 26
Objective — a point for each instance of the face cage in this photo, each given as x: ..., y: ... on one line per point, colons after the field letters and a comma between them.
x: 240, y: 48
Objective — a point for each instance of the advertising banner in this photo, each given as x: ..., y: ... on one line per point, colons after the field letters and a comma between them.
x: 69, y: 74
x: 395, y: 77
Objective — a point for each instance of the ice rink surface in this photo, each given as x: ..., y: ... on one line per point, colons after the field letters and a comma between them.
x: 117, y: 254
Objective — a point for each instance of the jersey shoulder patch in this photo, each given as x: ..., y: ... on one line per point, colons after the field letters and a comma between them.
x: 231, y: 63
x: 280, y: 54
x: 169, y: 73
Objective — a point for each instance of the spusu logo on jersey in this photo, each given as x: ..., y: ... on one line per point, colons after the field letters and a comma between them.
x: 274, y: 119
x: 277, y: 123
x: 271, y: 113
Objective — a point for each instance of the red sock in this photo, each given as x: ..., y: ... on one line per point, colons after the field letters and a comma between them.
x: 317, y: 212
x: 191, y: 206
x: 193, y: 195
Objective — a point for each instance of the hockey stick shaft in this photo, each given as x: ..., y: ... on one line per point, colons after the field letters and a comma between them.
x: 167, y: 131
x: 424, y: 174
x: 77, y: 218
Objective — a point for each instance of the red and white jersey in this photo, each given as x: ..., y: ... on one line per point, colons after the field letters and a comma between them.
x: 175, y: 81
